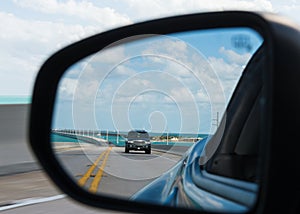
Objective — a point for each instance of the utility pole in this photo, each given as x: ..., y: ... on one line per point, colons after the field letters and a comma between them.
x: 216, y: 120
x: 167, y: 137
x: 117, y: 137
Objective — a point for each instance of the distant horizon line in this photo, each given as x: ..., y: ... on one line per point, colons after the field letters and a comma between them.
x: 124, y: 132
x: 15, y: 99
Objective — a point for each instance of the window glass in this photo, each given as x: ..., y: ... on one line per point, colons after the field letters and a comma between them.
x: 175, y: 87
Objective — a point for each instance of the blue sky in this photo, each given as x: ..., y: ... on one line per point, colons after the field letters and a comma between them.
x: 176, y: 82
x: 32, y: 30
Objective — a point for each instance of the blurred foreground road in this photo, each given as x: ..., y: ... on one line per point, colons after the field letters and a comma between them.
x: 24, y: 188
x: 33, y: 193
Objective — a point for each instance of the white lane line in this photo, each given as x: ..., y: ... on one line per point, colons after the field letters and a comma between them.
x: 31, y: 201
x: 163, y: 157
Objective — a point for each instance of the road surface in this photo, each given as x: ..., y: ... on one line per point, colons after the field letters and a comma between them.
x: 109, y: 170
x: 101, y: 169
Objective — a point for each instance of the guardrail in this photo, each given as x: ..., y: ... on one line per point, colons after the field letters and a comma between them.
x: 87, y: 139
x: 15, y: 154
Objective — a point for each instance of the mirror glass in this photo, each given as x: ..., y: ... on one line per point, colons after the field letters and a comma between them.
x: 133, y: 114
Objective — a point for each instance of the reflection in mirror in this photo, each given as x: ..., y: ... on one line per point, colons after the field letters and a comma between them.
x: 141, y: 110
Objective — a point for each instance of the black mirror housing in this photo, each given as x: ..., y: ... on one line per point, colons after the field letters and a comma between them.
x: 280, y: 164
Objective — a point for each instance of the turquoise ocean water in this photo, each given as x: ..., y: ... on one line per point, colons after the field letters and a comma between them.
x: 16, y: 99
x: 120, y: 141
x: 59, y: 138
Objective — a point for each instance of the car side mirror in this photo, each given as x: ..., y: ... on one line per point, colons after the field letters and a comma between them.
x: 174, y: 115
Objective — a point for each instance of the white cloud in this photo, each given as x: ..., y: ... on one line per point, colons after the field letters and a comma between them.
x: 202, y: 96
x: 229, y: 70
x: 33, y: 29
x: 233, y: 57
x: 25, y: 45
x: 156, y: 8
x: 124, y: 71
x: 167, y: 46
x: 288, y: 8
x: 67, y: 88
x: 113, y: 55
x: 180, y: 95
x: 105, y: 17
x: 225, y: 70
x: 15, y: 29
x: 132, y: 87
x: 79, y: 86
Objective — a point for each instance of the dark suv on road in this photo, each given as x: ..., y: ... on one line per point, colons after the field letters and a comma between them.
x: 138, y: 140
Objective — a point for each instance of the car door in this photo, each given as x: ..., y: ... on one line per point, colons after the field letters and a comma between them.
x: 229, y: 177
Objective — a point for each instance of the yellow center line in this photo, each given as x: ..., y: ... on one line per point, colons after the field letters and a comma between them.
x: 97, y: 179
x: 86, y: 176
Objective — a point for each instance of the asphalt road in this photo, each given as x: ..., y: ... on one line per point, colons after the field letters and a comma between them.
x: 109, y: 170
x: 34, y: 193
x: 24, y: 187
x: 105, y: 170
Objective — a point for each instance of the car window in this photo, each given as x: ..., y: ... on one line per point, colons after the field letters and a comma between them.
x: 138, y: 135
x: 237, y: 155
